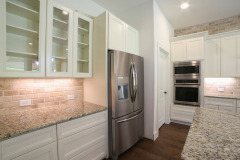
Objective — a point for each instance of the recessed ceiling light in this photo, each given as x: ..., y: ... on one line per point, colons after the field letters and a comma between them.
x: 185, y: 5
x: 65, y: 12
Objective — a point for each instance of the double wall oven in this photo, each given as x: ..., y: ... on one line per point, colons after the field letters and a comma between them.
x: 187, y: 83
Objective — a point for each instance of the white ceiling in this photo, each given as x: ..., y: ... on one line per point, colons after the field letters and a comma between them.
x: 200, y: 11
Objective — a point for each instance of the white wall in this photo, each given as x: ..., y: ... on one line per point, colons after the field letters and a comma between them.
x: 85, y: 6
x: 153, y: 28
x: 162, y: 33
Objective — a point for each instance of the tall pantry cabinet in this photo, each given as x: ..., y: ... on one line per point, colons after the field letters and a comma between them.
x: 42, y: 38
x: 22, y: 34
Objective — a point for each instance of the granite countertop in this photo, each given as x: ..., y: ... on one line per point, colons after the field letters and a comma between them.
x: 213, y: 134
x: 18, y: 123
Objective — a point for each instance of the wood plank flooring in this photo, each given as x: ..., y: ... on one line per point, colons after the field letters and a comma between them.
x: 168, y: 146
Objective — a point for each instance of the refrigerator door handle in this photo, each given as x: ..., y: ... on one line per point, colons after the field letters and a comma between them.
x: 127, y: 119
x: 135, y: 83
x: 131, y: 83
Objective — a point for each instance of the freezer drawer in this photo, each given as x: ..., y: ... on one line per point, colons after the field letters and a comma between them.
x: 126, y: 132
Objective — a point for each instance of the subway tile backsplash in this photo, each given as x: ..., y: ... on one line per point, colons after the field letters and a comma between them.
x: 231, y: 87
x: 41, y: 92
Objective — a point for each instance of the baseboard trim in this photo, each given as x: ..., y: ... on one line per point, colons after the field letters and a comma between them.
x: 180, y: 122
x: 155, y: 135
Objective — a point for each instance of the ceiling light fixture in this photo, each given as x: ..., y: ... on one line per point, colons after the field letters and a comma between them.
x: 184, y: 5
x: 65, y: 12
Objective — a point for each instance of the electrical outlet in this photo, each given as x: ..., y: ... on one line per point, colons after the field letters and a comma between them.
x: 220, y: 89
x: 26, y: 102
x: 71, y: 96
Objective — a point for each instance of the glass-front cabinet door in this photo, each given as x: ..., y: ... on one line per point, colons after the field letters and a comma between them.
x: 82, y: 55
x: 22, y: 33
x: 59, y: 40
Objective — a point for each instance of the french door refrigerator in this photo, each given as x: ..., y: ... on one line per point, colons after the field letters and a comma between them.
x: 126, y: 101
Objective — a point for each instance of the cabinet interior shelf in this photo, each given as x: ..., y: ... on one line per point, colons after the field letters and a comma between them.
x: 23, y: 11
x: 61, y: 21
x: 59, y: 58
x: 82, y: 60
x: 81, y: 43
x: 22, y: 31
x: 83, y: 29
x: 21, y: 54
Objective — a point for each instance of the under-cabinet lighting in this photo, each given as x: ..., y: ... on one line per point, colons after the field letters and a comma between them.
x: 184, y: 5
x: 30, y: 44
x: 65, y: 12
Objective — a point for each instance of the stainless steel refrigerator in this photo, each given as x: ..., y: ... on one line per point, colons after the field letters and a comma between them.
x: 126, y: 101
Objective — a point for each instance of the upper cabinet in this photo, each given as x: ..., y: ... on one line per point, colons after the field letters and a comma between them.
x: 82, y: 46
x: 22, y: 34
x: 132, y: 40
x: 59, y: 41
x: 212, y: 58
x: 187, y: 49
x: 122, y: 37
x: 222, y: 57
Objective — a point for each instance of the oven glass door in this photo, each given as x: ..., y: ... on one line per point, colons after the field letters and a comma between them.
x: 187, y: 94
x: 193, y: 70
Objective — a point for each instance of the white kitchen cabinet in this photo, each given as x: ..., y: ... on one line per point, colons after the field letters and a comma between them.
x: 59, y: 40
x: 212, y: 58
x: 117, y: 33
x: 195, y: 49
x: 82, y: 46
x: 225, y: 104
x: 178, y: 51
x: 182, y: 113
x: 48, y: 152
x: 229, y: 56
x: 29, y: 144
x: 22, y: 34
x: 83, y: 137
x: 121, y: 36
x: 190, y: 49
x: 132, y: 40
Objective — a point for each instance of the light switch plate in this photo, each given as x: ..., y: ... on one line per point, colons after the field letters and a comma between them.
x: 220, y: 89
x: 26, y: 102
x: 70, y: 96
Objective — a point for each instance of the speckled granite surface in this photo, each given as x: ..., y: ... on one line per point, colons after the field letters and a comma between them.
x: 213, y: 135
x: 18, y: 123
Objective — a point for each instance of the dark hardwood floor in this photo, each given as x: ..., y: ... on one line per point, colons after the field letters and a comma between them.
x: 168, y: 146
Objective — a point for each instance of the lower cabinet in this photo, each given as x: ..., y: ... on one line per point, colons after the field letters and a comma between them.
x: 85, y: 141
x: 224, y: 104
x: 48, y: 152
x: 41, y: 142
x: 182, y: 113
x: 80, y: 139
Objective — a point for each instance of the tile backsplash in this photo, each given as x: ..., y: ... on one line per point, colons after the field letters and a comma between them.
x: 215, y: 27
x: 231, y: 87
x: 41, y: 92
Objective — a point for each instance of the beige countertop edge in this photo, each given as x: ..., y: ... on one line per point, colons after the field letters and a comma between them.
x: 232, y: 97
x: 9, y: 136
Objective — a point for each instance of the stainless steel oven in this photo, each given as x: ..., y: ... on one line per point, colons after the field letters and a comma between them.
x: 191, y: 68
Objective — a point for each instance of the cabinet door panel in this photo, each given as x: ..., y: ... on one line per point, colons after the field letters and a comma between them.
x: 131, y: 40
x: 116, y: 33
x: 178, y: 50
x: 224, y: 108
x: 48, y: 152
x: 82, y: 46
x: 195, y: 49
x: 59, y: 40
x: 229, y: 57
x: 23, y: 33
x: 212, y: 58
x: 211, y: 106
x: 238, y: 56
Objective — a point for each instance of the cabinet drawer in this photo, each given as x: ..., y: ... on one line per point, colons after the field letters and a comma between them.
x: 48, y: 152
x: 238, y: 110
x: 211, y: 106
x: 220, y: 102
x: 238, y: 103
x: 25, y: 143
x: 224, y: 108
x: 96, y: 152
x: 72, y: 127
x: 76, y: 144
